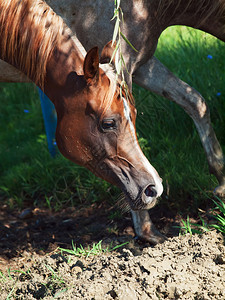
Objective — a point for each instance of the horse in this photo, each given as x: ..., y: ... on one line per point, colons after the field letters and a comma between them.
x: 95, y: 115
x: 143, y: 23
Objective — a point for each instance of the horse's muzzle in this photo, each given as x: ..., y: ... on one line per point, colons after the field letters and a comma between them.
x: 146, y: 198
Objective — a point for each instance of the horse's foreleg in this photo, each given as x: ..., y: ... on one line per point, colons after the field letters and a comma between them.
x: 157, y: 78
x: 144, y: 227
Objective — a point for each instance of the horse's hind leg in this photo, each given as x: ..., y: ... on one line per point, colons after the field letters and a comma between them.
x: 157, y: 78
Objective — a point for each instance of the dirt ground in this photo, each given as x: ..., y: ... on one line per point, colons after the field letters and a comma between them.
x: 32, y: 267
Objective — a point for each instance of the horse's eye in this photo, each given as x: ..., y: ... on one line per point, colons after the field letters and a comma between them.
x: 108, y: 124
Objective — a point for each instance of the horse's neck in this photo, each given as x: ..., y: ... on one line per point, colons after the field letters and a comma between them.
x: 208, y: 16
x: 67, y: 57
x: 40, y: 45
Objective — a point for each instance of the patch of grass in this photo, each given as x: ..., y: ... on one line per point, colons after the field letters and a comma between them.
x: 55, y: 276
x: 219, y: 215
x: 193, y: 228
x: 95, y: 249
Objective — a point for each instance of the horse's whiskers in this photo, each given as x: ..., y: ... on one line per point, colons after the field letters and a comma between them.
x: 122, y: 203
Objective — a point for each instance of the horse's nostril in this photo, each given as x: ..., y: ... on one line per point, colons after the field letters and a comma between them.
x: 150, y: 191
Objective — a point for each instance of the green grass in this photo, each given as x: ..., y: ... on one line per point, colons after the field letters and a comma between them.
x: 219, y: 215
x: 193, y: 228
x: 29, y: 175
x: 95, y: 249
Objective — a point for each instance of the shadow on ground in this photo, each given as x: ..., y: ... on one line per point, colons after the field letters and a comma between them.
x: 42, y: 231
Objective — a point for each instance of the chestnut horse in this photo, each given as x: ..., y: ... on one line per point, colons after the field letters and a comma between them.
x: 96, y: 122
x: 144, y: 21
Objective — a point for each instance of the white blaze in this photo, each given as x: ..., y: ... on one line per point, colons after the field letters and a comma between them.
x: 148, y: 166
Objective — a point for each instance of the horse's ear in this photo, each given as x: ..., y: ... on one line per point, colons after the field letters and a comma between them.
x: 91, y: 65
x: 107, y: 53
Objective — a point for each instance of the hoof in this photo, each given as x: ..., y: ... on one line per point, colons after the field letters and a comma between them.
x: 145, y: 229
x: 153, y: 237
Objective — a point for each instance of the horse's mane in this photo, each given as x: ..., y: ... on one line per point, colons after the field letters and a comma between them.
x: 203, y: 9
x: 29, y: 32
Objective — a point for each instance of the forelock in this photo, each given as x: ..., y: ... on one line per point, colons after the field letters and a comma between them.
x: 110, y: 73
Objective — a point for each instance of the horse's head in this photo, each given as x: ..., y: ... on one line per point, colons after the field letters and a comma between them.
x: 96, y: 129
